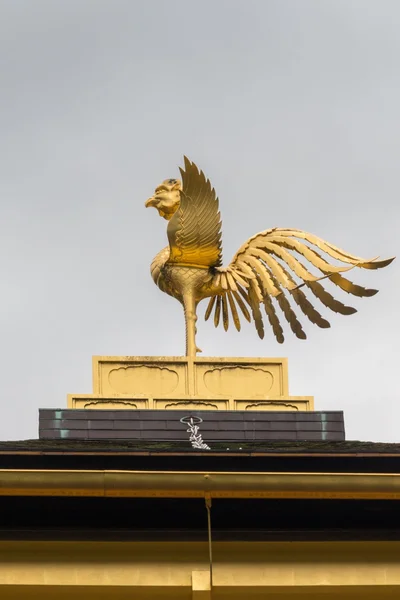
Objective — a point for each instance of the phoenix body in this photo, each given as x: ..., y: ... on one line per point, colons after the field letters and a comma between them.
x: 265, y: 272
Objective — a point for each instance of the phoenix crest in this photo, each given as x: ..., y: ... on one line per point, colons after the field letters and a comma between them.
x: 265, y: 271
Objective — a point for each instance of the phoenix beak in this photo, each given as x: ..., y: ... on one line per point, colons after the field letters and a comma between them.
x: 151, y: 202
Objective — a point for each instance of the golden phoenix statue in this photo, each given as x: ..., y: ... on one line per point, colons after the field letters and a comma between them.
x: 263, y: 270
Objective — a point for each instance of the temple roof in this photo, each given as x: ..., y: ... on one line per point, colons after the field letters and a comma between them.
x: 242, y: 448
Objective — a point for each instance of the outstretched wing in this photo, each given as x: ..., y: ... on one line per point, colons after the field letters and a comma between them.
x: 194, y: 232
x: 266, y: 270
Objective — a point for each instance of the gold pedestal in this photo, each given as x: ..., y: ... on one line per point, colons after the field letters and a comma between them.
x: 155, y: 382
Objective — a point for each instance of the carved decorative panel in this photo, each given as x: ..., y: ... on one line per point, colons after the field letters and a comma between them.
x: 143, y: 380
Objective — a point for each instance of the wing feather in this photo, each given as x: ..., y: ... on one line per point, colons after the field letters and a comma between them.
x: 194, y: 232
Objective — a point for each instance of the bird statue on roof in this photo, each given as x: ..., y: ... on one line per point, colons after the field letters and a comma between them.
x: 265, y: 271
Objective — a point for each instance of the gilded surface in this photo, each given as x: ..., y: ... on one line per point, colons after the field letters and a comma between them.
x: 32, y: 570
x: 199, y: 484
x: 264, y: 273
x: 162, y: 380
x: 158, y: 382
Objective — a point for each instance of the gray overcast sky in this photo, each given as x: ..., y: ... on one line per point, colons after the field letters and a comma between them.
x: 291, y: 107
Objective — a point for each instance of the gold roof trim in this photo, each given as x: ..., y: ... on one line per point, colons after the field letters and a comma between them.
x: 177, y: 484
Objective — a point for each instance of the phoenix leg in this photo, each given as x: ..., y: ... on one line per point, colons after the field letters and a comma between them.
x: 189, y: 306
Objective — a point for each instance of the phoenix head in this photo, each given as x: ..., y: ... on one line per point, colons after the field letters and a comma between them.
x: 167, y: 197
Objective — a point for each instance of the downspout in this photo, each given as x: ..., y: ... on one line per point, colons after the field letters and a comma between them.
x: 208, y: 507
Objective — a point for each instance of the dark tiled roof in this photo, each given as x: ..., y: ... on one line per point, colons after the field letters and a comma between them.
x: 140, y: 446
x: 166, y: 426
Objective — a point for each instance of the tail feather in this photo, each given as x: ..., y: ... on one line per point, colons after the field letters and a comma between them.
x: 225, y: 312
x: 210, y: 307
x: 307, y: 308
x: 254, y: 293
x: 217, y: 313
x: 273, y: 320
x: 328, y: 300
x: 234, y: 312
